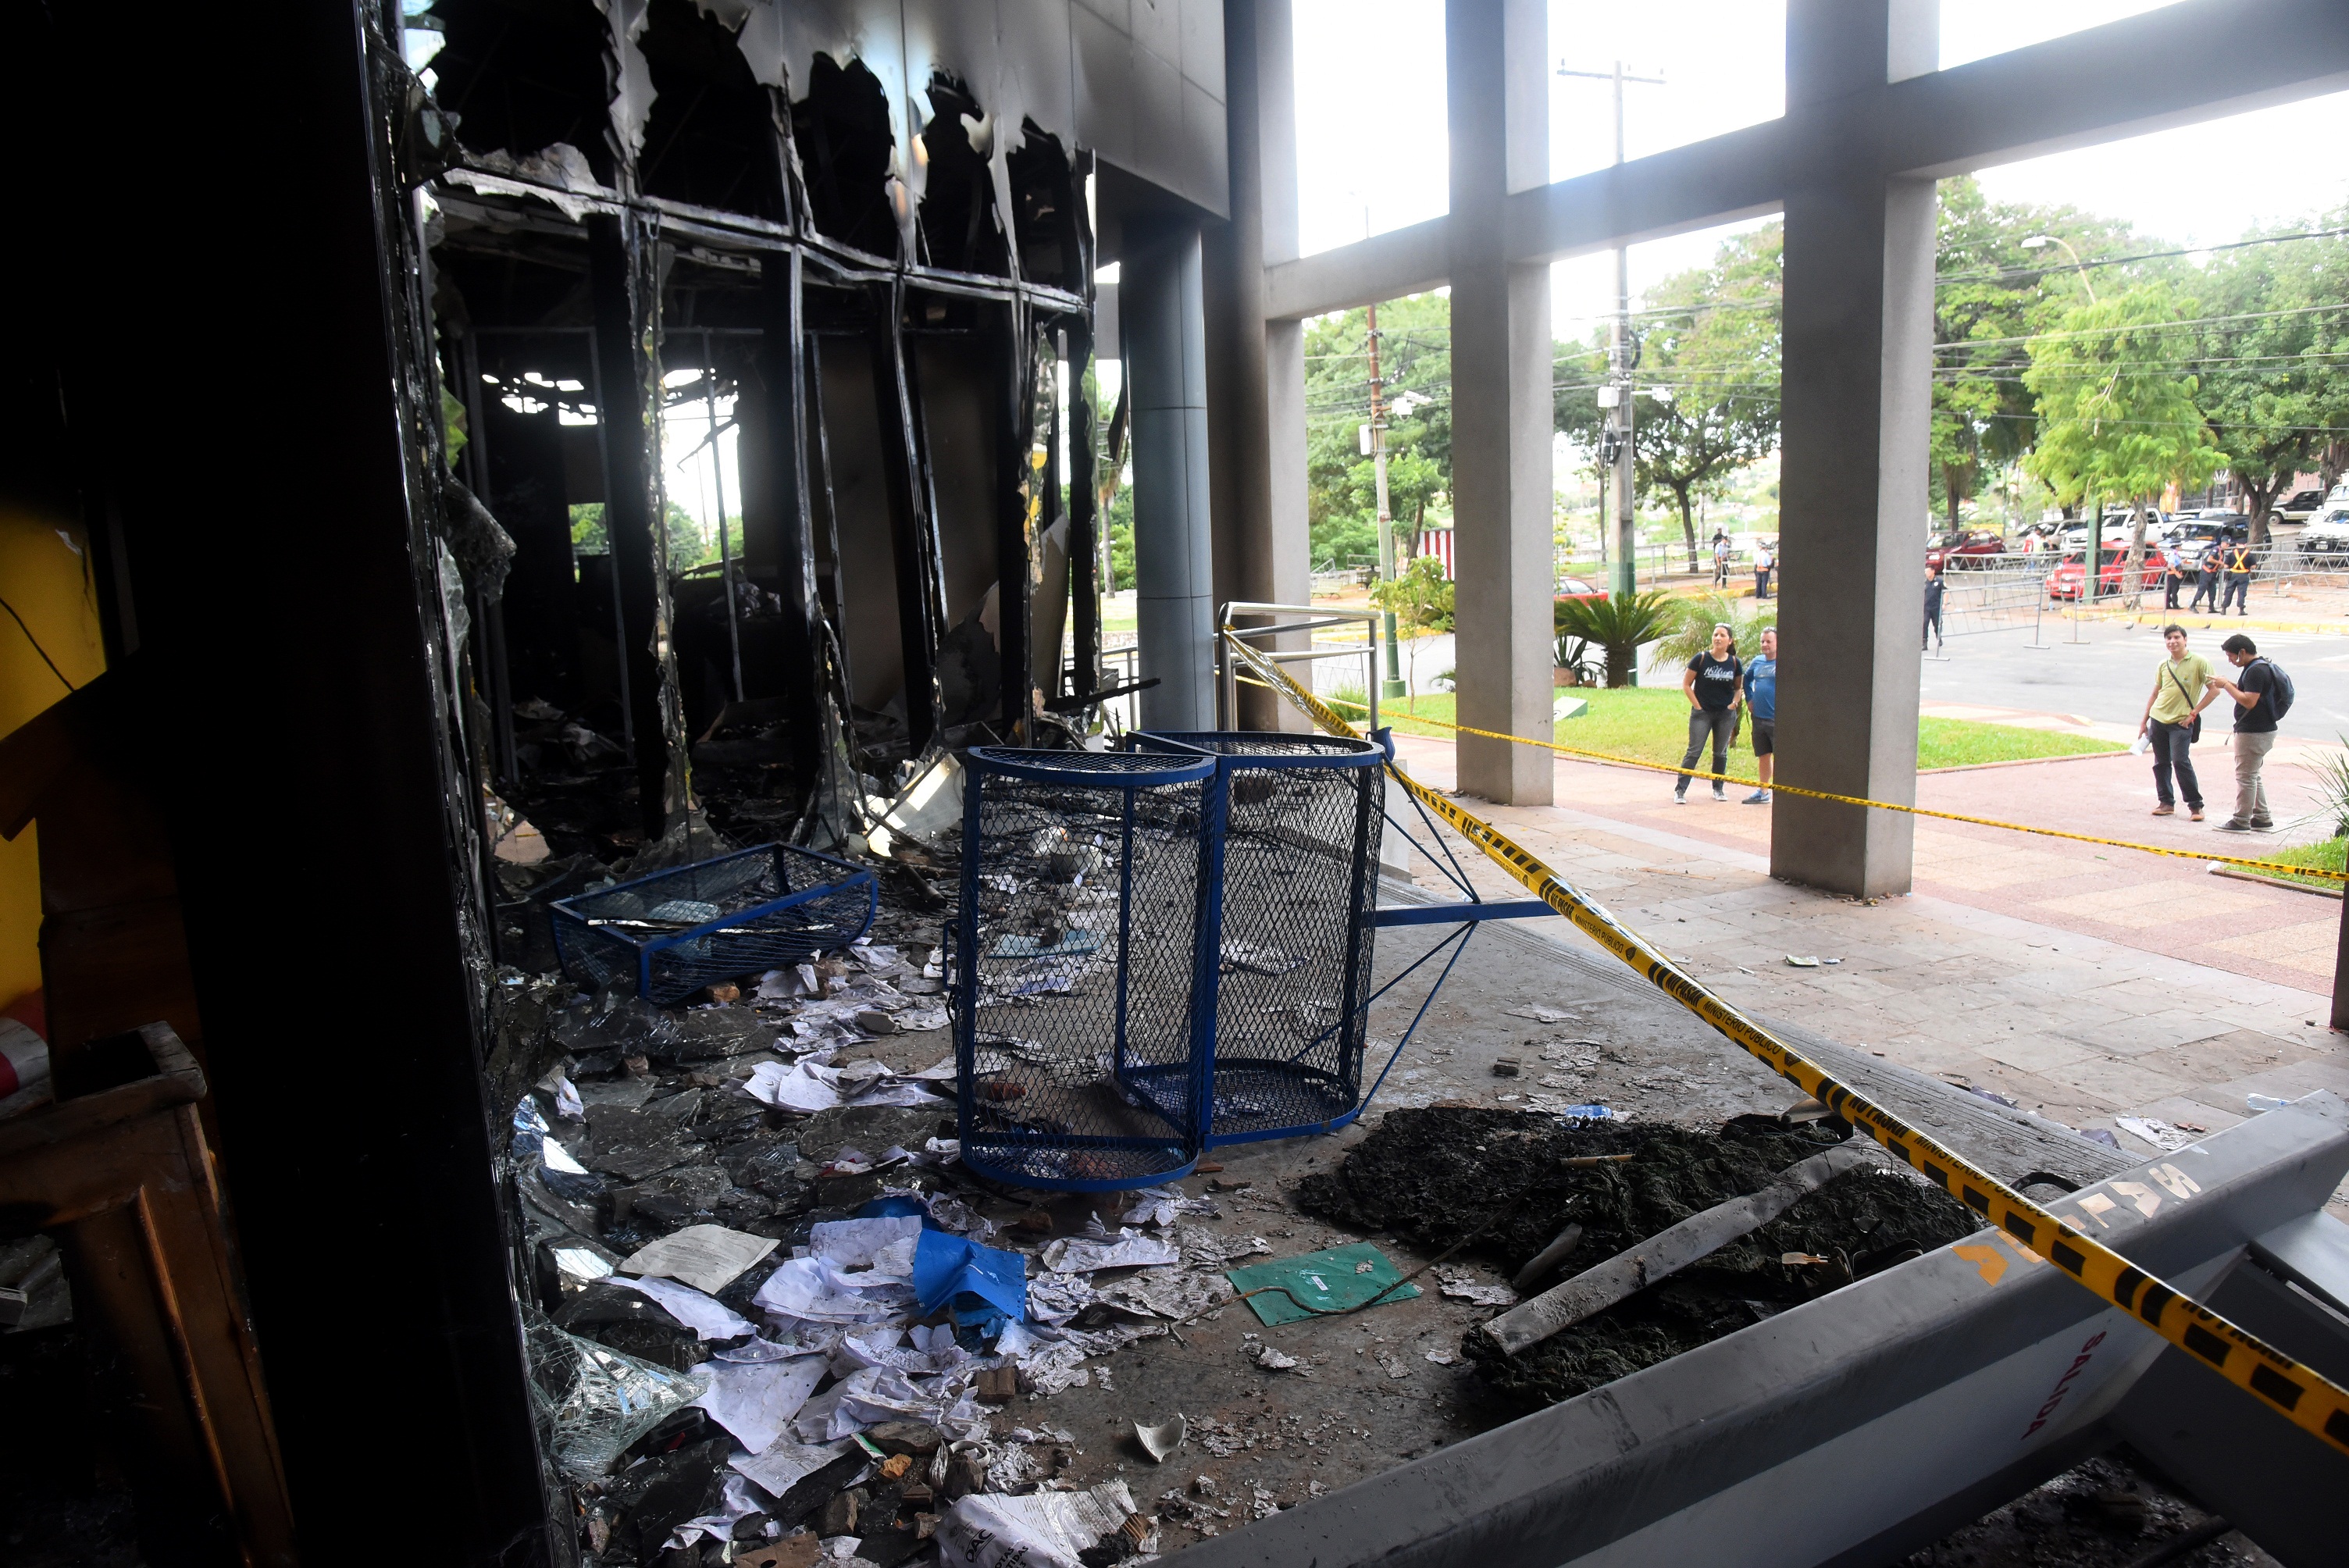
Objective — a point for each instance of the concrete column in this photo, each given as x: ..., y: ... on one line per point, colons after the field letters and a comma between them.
x: 1255, y: 368
x: 1164, y: 316
x: 1855, y: 427
x: 1498, y: 86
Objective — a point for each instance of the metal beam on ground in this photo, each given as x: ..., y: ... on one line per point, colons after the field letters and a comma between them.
x: 1864, y: 1425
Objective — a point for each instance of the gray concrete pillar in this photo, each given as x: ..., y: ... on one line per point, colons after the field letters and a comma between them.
x: 1255, y: 368
x: 1856, y: 416
x: 1496, y: 80
x: 1164, y: 316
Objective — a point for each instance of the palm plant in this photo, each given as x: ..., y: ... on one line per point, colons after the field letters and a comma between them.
x: 2332, y: 769
x: 1620, y: 623
x: 1745, y: 618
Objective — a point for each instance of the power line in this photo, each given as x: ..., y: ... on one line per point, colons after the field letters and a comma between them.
x: 2140, y: 327
x: 2002, y: 274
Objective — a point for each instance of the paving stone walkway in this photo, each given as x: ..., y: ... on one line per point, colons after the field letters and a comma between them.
x: 2084, y: 982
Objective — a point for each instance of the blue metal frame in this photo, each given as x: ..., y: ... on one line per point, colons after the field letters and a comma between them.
x: 1191, y: 758
x: 1186, y: 765
x: 857, y: 877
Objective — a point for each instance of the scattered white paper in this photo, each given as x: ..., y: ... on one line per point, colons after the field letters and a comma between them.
x: 796, y: 1086
x: 1080, y: 1254
x: 1461, y: 1286
x: 755, y: 1399
x: 733, y: 1502
x: 2162, y: 1135
x: 707, y: 1257
x: 1273, y: 1361
x: 581, y: 1264
x: 1160, y: 1205
x: 557, y: 1157
x: 708, y: 1318
x: 1043, y: 1529
x: 853, y: 1243
x: 814, y: 1290
x: 781, y: 1466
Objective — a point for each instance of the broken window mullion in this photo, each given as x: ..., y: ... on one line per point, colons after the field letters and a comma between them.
x: 910, y: 523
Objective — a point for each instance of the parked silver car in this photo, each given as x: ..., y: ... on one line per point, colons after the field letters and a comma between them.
x: 2325, y: 541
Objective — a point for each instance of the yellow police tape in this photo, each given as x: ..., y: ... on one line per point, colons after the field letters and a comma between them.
x: 2305, y: 1398
x: 2272, y: 867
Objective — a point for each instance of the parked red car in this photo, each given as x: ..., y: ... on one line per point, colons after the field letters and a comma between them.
x: 1580, y: 588
x: 2065, y: 581
x: 1966, y: 548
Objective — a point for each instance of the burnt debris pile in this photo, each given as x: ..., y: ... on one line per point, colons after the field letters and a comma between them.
x: 1501, y: 1181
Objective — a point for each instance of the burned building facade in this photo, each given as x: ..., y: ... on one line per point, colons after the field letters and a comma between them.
x: 342, y: 603
x: 874, y: 239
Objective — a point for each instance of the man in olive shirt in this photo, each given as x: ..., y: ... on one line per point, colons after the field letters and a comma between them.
x: 2181, y: 690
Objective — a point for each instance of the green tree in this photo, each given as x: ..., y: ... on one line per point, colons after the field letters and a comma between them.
x: 2118, y: 409
x: 1993, y: 292
x: 1421, y: 598
x: 2270, y: 378
x: 687, y: 544
x: 1341, y: 488
x: 1708, y: 354
x: 1619, y: 625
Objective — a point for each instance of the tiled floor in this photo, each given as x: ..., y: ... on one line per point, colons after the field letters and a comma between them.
x: 2083, y: 981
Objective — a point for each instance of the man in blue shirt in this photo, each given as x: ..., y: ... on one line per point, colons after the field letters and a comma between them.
x: 1762, y: 701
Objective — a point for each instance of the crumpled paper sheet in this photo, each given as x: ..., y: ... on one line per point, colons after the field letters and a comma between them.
x: 1044, y: 1530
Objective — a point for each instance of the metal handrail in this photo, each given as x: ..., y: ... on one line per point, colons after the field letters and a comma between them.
x: 1316, y: 617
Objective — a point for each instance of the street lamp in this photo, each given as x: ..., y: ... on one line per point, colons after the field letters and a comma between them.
x: 2040, y: 241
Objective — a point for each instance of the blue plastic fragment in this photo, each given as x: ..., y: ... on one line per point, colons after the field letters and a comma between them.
x: 948, y: 1267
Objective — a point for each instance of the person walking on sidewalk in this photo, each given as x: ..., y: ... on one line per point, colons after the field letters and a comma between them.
x: 1765, y: 558
x: 1933, y: 608
x: 2255, y: 732
x: 1720, y: 559
x: 2206, y: 579
x: 1711, y: 683
x: 2173, y: 717
x: 2239, y: 579
x: 1761, y: 706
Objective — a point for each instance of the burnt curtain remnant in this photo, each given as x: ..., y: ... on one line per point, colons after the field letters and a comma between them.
x: 664, y: 240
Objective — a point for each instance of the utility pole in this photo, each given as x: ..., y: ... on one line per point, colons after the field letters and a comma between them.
x: 1393, y: 687
x: 1614, y: 397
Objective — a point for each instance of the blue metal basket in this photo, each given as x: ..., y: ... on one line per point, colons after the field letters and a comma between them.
x: 1293, y: 926
x: 1084, y: 964
x: 1168, y: 947
x: 676, y: 930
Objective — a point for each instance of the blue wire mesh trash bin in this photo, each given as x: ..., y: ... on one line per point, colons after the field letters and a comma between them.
x: 676, y: 930
x: 1084, y: 953
x: 1169, y: 947
x: 1301, y: 858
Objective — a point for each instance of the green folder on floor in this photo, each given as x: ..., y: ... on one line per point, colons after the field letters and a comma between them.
x: 1326, y: 1282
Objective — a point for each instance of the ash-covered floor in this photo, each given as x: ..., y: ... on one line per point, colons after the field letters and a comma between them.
x: 704, y: 1116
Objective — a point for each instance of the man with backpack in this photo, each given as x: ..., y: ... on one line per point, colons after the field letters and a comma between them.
x: 2264, y: 696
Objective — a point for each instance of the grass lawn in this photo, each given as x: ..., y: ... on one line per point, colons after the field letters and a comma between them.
x: 1650, y: 723
x: 2329, y: 853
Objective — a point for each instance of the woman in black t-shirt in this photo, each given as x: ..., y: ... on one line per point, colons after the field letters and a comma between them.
x: 1715, y: 684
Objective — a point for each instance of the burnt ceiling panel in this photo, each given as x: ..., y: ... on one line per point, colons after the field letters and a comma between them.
x: 522, y: 75
x: 842, y: 130
x: 710, y: 138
